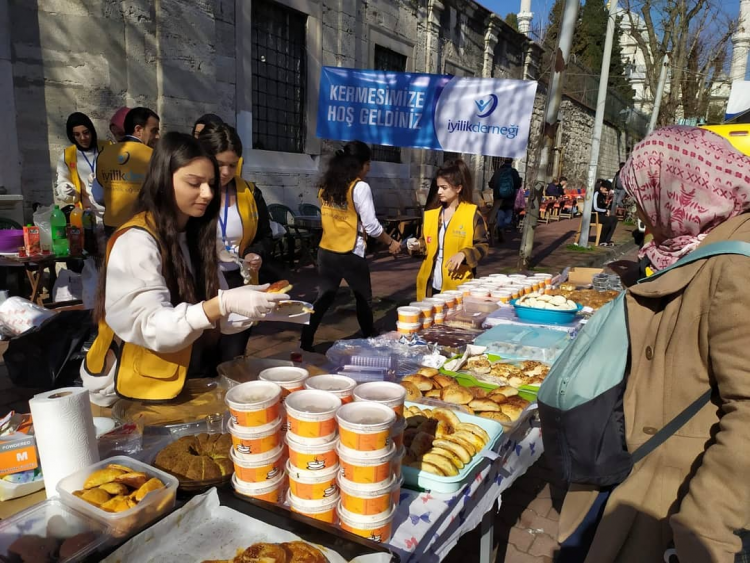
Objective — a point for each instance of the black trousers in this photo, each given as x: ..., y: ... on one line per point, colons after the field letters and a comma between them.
x: 609, y: 224
x: 332, y: 268
x: 233, y: 345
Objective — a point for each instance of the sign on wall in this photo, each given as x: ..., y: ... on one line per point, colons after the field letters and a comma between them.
x: 484, y: 116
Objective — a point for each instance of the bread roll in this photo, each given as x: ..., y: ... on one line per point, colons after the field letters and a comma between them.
x: 511, y: 411
x: 412, y: 391
x: 496, y: 416
x: 428, y: 372
x: 422, y: 382
x: 457, y: 395
x: 443, y: 380
x: 483, y: 405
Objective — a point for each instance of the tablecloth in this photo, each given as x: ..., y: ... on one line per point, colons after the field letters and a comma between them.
x: 428, y: 525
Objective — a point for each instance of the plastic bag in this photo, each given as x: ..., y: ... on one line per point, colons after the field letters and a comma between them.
x: 17, y: 315
x: 42, y: 219
x: 277, y: 230
x: 89, y: 281
x: 68, y: 287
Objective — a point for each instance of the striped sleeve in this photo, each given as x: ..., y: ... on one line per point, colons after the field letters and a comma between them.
x: 481, y: 248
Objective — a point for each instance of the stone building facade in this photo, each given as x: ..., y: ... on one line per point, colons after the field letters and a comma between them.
x: 257, y: 64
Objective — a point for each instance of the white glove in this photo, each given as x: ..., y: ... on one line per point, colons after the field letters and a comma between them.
x: 249, y: 301
x: 412, y: 244
x: 66, y: 192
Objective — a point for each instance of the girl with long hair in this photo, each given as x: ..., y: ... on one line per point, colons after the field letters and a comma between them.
x: 454, y: 232
x: 161, y: 291
x: 244, y: 227
x: 347, y: 215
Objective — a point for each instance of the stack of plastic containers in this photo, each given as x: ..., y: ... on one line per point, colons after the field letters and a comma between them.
x: 339, y: 385
x: 290, y: 379
x: 409, y: 320
x: 427, y: 316
x: 439, y: 307
x: 258, y: 451
x: 313, y: 462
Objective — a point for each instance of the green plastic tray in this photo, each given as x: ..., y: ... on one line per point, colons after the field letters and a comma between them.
x: 527, y: 392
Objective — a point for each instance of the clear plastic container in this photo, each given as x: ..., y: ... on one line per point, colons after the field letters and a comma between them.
x: 72, y: 534
x: 128, y: 522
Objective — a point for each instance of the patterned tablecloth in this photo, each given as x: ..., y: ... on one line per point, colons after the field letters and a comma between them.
x: 428, y: 525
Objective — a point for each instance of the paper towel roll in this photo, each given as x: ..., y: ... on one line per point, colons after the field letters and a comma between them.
x: 65, y: 435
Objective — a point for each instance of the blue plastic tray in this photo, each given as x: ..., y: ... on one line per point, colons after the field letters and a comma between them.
x: 545, y: 316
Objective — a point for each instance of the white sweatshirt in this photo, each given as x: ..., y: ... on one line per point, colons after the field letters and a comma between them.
x: 139, y: 310
x: 65, y: 190
x: 362, y: 196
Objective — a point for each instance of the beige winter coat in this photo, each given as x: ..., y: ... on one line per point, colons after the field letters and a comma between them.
x: 689, y: 329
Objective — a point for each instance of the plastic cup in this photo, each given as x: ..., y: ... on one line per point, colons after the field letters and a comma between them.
x: 366, y: 500
x: 408, y: 315
x: 311, y: 457
x: 428, y: 322
x: 269, y: 491
x: 389, y: 394
x: 290, y: 379
x: 503, y: 295
x: 458, y: 296
x: 255, y: 441
x: 449, y: 300
x: 439, y: 319
x: 312, y: 485
x: 408, y: 329
x: 255, y: 403
x: 339, y: 385
x: 257, y: 468
x: 323, y: 509
x: 482, y: 291
x: 312, y: 414
x: 376, y: 528
x: 426, y: 309
x: 437, y: 304
x: 364, y: 425
x: 366, y: 467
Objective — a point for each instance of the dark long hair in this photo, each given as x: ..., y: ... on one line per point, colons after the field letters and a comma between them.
x: 344, y: 167
x: 74, y: 120
x: 207, y: 119
x: 456, y: 173
x: 217, y: 138
x: 174, y: 151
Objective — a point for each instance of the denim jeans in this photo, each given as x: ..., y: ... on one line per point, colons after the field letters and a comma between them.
x: 504, y: 218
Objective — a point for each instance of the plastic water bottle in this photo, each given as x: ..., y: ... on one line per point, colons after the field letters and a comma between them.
x: 59, y: 232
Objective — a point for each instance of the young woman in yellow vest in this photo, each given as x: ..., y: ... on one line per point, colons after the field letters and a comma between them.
x: 244, y: 227
x: 77, y: 165
x: 454, y: 234
x: 161, y: 292
x: 347, y: 214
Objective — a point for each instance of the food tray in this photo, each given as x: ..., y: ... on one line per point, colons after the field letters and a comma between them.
x: 53, y: 519
x: 546, y: 316
x: 421, y: 480
x: 515, y: 342
x: 527, y: 392
x: 125, y: 523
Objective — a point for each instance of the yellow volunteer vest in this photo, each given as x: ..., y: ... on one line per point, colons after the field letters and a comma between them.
x: 71, y: 161
x: 121, y: 169
x: 141, y: 374
x: 248, y: 210
x: 458, y: 235
x: 339, y: 223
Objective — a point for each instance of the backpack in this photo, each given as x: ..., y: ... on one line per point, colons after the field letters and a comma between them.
x: 581, y: 400
x: 504, y: 187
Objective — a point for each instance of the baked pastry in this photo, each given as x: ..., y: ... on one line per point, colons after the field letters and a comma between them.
x: 412, y: 391
x: 115, y: 488
x: 479, y: 364
x: 102, y: 477
x: 146, y: 488
x: 483, y: 405
x: 134, y: 479
x: 457, y: 395
x: 428, y: 372
x: 302, y: 552
x: 511, y: 411
x: 424, y: 383
x: 433, y: 394
x: 443, y: 463
x: 508, y: 391
x: 478, y: 392
x: 443, y: 380
x: 96, y: 497
x: 497, y: 416
x: 281, y: 286
x: 197, y: 458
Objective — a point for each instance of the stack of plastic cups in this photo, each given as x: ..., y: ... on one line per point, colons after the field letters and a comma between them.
x: 367, y: 483
x: 459, y: 297
x: 258, y: 450
x: 481, y: 291
x: 409, y: 320
x: 545, y: 279
x: 427, y: 316
x: 502, y: 295
x: 449, y: 300
x: 439, y: 307
x: 313, y: 462
x: 339, y: 385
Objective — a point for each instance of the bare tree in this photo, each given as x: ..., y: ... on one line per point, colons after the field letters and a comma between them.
x: 696, y: 33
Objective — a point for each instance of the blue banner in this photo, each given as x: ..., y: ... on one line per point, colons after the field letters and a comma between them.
x: 427, y: 111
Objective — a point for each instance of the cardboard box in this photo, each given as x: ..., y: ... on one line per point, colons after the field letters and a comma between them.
x: 17, y: 453
x: 583, y: 276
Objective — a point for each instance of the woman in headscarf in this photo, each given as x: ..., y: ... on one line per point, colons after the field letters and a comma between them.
x: 689, y: 331
x: 117, y: 124
x: 76, y: 166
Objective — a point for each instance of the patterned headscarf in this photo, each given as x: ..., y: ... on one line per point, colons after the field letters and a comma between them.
x: 687, y: 181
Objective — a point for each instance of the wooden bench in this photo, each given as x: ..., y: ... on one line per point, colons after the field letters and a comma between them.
x: 595, y: 224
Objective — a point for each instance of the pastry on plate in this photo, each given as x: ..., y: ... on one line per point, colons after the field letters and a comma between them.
x: 423, y: 382
x: 443, y: 380
x: 412, y: 391
x: 457, y: 395
x: 496, y: 416
x: 428, y: 372
x: 483, y: 405
x: 479, y: 364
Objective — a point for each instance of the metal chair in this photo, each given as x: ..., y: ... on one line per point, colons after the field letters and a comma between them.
x: 309, y: 210
x: 285, y: 216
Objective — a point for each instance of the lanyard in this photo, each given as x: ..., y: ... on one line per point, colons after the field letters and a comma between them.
x: 91, y: 165
x: 223, y: 224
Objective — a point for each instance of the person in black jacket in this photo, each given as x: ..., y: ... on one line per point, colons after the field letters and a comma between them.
x: 601, y: 208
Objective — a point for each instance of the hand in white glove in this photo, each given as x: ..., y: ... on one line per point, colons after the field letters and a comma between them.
x: 249, y: 301
x: 66, y: 192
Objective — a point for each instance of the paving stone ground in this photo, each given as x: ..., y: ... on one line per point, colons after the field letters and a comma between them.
x: 526, y: 525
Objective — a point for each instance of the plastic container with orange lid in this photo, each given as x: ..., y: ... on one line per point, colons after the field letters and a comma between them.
x: 339, y: 385
x: 369, y: 499
x: 255, y: 403
x: 311, y: 455
x: 261, y: 467
x: 466, y: 288
x: 389, y: 394
x: 458, y: 295
x: 289, y: 378
x: 408, y: 329
x: 312, y: 485
x: 449, y: 300
x: 366, y: 467
x: 323, y: 509
x: 427, y: 322
x: 364, y: 425
x: 408, y: 315
x: 376, y: 528
x: 397, y: 432
x: 425, y: 308
x: 544, y: 278
x: 255, y: 440
x: 440, y: 318
x: 312, y: 414
x: 272, y: 490
x: 437, y: 304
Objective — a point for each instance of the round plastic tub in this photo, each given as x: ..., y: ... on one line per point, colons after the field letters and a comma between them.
x: 518, y: 277
x: 439, y: 319
x: 290, y: 378
x: 427, y: 322
x: 425, y: 308
x: 397, y: 432
x: 437, y: 304
x: 323, y: 510
x: 338, y: 385
x: 366, y: 467
x: 408, y: 315
x: 376, y: 528
x: 396, y: 490
x: 312, y: 414
x: 545, y: 278
x: 311, y: 457
x: 502, y: 295
x: 384, y: 392
x: 408, y: 329
x: 312, y: 485
x: 257, y: 468
x: 466, y: 288
x: 258, y: 440
x: 255, y: 403
x: 459, y: 297
x: 270, y: 491
x: 398, y: 460
x: 449, y: 300
x: 366, y: 500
